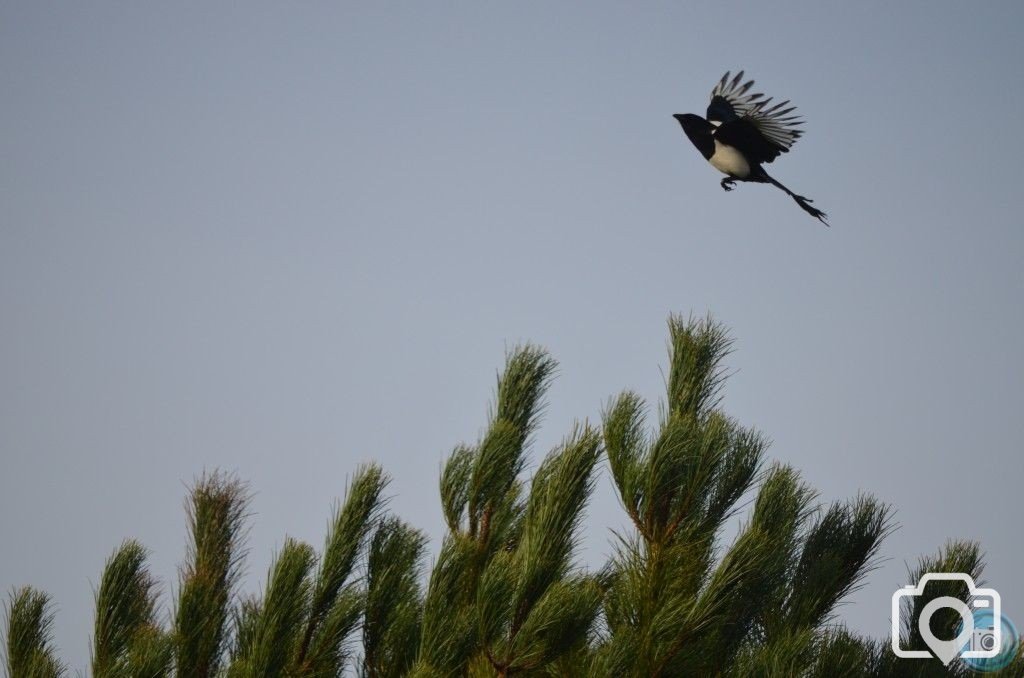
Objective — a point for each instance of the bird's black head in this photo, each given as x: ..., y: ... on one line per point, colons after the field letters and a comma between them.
x: 694, y: 124
x: 699, y: 131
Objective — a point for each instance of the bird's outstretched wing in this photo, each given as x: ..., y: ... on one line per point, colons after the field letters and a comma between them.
x: 751, y: 122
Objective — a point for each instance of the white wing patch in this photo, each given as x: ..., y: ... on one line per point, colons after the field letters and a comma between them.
x: 776, y: 122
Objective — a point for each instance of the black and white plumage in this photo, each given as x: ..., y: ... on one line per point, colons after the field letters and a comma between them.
x: 743, y: 131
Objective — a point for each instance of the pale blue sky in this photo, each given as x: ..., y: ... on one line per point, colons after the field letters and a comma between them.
x: 286, y: 238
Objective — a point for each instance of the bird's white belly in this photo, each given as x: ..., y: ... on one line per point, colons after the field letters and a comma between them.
x: 729, y: 161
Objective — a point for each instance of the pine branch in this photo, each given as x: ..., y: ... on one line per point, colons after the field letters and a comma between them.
x: 625, y: 443
x: 455, y: 486
x: 838, y: 552
x: 499, y: 458
x: 330, y: 650
x: 29, y: 650
x: 697, y: 349
x: 955, y: 556
x: 151, y: 655
x: 558, y: 623
x: 275, y: 630
x: 126, y: 636
x: 394, y: 607
x: 528, y: 611
x: 346, y: 537
x: 216, y: 508
x: 748, y: 580
x: 558, y: 497
x: 448, y: 634
x: 521, y: 388
x: 498, y: 462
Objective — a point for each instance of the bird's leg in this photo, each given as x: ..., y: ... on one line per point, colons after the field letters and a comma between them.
x: 728, y: 183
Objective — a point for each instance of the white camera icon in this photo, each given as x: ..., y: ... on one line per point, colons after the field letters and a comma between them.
x: 970, y: 643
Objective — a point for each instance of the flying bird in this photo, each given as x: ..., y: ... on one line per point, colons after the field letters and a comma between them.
x: 744, y: 131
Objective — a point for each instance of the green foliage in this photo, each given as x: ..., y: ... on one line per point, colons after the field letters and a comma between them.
x: 696, y: 375
x: 678, y: 486
x: 448, y: 633
x: 394, y: 606
x: 953, y: 557
x: 838, y: 551
x: 675, y: 605
x: 455, y: 486
x: 216, y: 509
x: 128, y: 640
x: 531, y: 607
x: 272, y: 631
x: 505, y: 595
x: 331, y: 615
x: 29, y: 650
x: 330, y: 649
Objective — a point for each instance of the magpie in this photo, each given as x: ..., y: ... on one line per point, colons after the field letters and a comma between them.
x: 743, y: 131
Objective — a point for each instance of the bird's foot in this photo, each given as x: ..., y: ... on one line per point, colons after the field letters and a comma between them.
x: 728, y: 184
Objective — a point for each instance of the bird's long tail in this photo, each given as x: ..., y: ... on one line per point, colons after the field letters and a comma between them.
x: 805, y: 203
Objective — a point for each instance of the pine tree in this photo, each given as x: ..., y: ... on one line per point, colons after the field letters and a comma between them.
x: 506, y: 594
